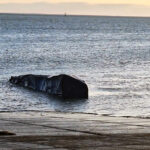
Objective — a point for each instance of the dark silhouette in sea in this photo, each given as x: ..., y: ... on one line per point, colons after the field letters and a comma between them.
x: 65, y: 86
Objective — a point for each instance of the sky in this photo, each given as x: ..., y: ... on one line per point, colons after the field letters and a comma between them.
x: 78, y: 7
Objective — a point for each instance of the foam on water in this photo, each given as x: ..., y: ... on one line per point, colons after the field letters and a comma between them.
x: 112, y: 54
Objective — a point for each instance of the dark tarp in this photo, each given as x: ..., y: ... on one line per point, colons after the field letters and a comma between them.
x: 62, y: 85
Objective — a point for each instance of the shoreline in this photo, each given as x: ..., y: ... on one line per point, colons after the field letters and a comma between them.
x: 62, y: 130
x: 64, y: 112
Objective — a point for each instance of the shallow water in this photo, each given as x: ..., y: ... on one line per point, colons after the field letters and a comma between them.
x: 112, y: 54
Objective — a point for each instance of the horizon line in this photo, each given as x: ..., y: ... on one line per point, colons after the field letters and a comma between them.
x: 65, y: 14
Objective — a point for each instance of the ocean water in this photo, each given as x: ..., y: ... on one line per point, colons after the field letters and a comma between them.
x: 112, y: 55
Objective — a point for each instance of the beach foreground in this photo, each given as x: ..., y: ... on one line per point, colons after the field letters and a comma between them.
x: 65, y: 131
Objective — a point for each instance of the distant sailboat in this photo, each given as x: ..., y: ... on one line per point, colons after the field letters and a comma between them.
x: 65, y: 14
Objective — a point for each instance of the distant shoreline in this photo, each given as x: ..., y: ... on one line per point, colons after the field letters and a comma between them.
x: 73, y: 15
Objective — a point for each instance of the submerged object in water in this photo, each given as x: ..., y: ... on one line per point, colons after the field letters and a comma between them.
x: 63, y: 85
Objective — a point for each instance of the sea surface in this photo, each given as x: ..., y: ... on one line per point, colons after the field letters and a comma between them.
x: 112, y: 55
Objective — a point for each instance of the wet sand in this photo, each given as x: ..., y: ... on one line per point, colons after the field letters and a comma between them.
x: 71, y: 131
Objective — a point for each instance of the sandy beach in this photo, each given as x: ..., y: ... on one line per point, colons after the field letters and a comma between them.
x: 70, y: 131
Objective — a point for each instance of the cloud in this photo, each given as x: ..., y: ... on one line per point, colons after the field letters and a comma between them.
x: 77, y: 9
